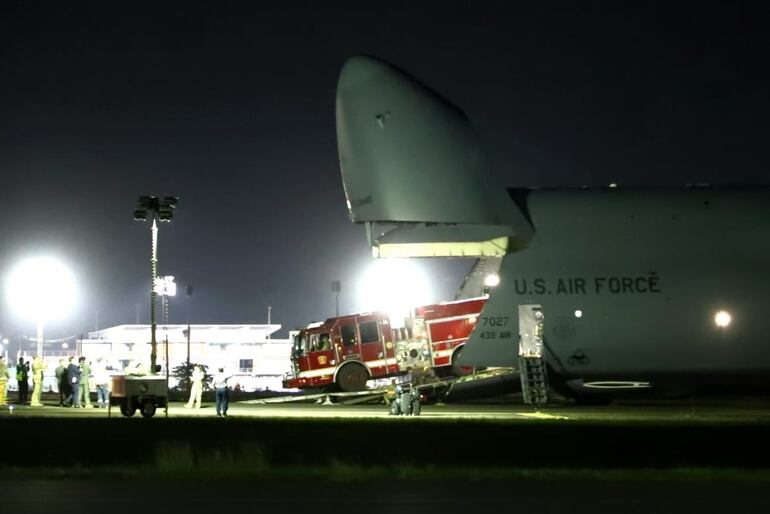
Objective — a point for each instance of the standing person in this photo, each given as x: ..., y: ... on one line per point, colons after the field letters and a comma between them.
x: 85, y: 383
x: 38, y: 367
x: 102, y: 382
x: 73, y: 378
x: 4, y: 376
x: 22, y: 377
x: 390, y: 393
x: 61, y: 382
x: 196, y: 389
x: 220, y: 386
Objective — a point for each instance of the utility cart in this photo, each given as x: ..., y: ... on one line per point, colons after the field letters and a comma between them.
x: 143, y: 392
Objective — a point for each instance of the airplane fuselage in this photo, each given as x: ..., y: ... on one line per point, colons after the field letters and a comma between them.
x: 630, y: 282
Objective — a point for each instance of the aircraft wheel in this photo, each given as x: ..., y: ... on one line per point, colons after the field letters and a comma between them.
x: 352, y: 377
x: 148, y: 408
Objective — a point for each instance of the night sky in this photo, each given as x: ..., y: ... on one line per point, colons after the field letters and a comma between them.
x: 230, y: 106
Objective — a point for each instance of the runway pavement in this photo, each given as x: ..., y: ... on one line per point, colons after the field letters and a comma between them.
x: 705, y: 411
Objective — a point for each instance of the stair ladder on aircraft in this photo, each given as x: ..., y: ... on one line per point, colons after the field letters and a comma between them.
x: 473, y: 286
x: 532, y: 369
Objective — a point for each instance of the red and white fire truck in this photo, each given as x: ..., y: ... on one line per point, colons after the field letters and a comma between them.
x: 344, y: 353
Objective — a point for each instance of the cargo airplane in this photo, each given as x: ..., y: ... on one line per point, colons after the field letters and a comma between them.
x: 659, y: 290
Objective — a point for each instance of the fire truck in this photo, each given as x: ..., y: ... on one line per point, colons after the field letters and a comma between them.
x: 343, y: 353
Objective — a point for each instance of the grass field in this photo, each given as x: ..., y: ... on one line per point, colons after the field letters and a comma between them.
x: 729, y: 445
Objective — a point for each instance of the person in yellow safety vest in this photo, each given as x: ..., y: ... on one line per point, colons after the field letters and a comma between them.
x: 4, y: 376
x: 85, y: 383
x: 38, y: 366
x: 22, y: 378
x: 390, y: 393
x: 196, y: 390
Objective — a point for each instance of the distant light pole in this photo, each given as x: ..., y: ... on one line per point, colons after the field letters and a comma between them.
x: 336, y: 288
x: 269, y: 309
x: 165, y: 287
x: 41, y: 289
x: 154, y: 208
x: 189, y: 291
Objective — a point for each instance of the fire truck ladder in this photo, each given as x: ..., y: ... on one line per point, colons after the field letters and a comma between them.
x: 532, y: 368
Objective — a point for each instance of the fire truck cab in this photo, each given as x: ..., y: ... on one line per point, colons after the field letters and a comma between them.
x: 345, y: 352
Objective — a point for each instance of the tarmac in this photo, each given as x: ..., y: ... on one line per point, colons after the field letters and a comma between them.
x: 692, y: 455
x: 702, y: 411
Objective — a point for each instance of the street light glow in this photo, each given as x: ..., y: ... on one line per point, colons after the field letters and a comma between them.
x: 722, y: 319
x: 492, y: 280
x: 394, y: 286
x: 41, y: 289
x: 165, y: 286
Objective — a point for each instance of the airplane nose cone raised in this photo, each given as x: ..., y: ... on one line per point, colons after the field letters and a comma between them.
x: 361, y: 69
x: 406, y: 154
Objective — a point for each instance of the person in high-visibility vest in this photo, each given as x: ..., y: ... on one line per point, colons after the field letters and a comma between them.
x: 85, y: 383
x: 4, y: 376
x: 38, y: 366
x: 22, y: 378
x: 196, y: 390
x: 390, y: 393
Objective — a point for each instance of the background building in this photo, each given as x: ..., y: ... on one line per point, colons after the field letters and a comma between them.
x: 246, y: 351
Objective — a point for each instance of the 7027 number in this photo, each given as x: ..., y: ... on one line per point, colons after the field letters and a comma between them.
x: 494, y: 321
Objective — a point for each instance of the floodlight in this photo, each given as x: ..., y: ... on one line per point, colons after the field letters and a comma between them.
x: 723, y: 319
x: 394, y: 286
x: 41, y: 289
x: 492, y: 280
x: 165, y: 286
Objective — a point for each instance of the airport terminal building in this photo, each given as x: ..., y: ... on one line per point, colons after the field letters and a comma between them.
x: 247, y: 351
x: 256, y: 361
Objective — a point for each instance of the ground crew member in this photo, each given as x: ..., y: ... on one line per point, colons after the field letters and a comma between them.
x: 85, y: 386
x: 102, y: 383
x: 38, y: 366
x: 4, y: 376
x: 61, y: 382
x: 390, y: 393
x: 220, y: 387
x: 73, y: 378
x: 22, y: 377
x: 196, y: 388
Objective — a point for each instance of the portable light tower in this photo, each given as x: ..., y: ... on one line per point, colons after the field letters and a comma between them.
x: 154, y: 208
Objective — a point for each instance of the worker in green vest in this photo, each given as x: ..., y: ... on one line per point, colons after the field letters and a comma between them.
x: 4, y: 376
x: 38, y: 367
x: 85, y: 387
x: 22, y: 378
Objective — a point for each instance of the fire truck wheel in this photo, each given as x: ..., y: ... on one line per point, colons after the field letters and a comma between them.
x: 125, y: 409
x: 148, y: 409
x: 459, y: 371
x: 352, y: 377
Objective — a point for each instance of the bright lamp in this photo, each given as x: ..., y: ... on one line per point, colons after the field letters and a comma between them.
x: 41, y: 289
